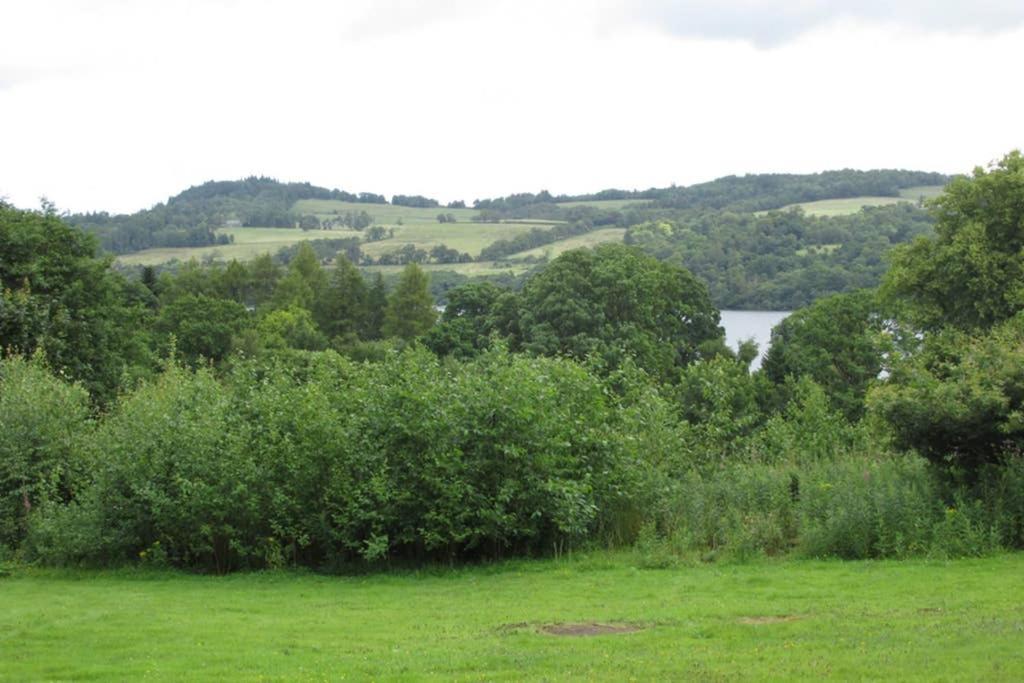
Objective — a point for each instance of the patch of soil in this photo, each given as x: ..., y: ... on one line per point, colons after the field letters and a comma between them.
x: 588, y: 629
x: 775, y: 619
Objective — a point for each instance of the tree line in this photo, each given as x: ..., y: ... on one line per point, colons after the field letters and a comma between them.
x: 260, y: 416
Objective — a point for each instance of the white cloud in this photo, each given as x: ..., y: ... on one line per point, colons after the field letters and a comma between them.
x: 770, y: 22
x: 116, y: 105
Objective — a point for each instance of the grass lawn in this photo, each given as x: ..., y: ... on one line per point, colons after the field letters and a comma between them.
x: 909, y: 620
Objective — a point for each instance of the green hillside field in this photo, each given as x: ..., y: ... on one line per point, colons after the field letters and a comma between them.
x: 591, y: 617
x: 842, y: 207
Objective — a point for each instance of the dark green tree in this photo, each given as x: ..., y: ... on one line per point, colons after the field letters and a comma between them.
x: 304, y: 283
x: 410, y: 312
x: 959, y: 401
x: 838, y: 341
x: 203, y: 327
x: 341, y: 310
x: 468, y: 321
x: 376, y: 307
x: 971, y: 275
x: 58, y: 296
x: 614, y: 301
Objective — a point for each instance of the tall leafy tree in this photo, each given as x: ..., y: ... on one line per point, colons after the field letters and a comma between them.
x: 58, y: 296
x: 838, y: 341
x: 410, y: 312
x: 341, y: 310
x: 304, y: 283
x: 376, y: 307
x: 615, y: 301
x: 971, y: 274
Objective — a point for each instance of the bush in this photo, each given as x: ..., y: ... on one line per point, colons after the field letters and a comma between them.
x: 42, y: 422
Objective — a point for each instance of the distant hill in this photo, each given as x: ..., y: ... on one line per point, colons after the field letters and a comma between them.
x: 192, y: 218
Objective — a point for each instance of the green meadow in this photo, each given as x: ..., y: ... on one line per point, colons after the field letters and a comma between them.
x: 591, y: 617
x: 843, y: 207
x: 606, y: 204
x: 248, y: 243
x: 590, y: 239
x: 464, y: 237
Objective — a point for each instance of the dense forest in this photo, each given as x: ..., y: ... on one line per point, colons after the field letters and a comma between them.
x: 260, y: 414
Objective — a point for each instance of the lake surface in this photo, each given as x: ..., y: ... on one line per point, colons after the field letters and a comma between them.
x: 756, y: 325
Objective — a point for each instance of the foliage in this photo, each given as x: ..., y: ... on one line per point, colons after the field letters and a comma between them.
x: 410, y: 311
x: 837, y: 341
x: 56, y: 295
x: 42, y: 421
x: 780, y: 260
x: 201, y: 327
x: 971, y: 274
x: 959, y: 401
x: 614, y: 302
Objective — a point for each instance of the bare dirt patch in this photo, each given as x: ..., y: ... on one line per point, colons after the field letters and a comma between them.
x: 770, y: 619
x: 588, y: 629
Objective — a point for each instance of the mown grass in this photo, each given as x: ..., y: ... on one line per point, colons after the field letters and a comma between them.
x: 899, y: 620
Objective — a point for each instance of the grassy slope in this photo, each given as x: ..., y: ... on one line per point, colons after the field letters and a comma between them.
x: 590, y: 239
x: 842, y: 207
x: 418, y: 226
x: 249, y: 243
x: 797, y: 619
x: 606, y: 204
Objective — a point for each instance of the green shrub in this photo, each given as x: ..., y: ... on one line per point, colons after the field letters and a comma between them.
x: 860, y: 508
x: 43, y: 420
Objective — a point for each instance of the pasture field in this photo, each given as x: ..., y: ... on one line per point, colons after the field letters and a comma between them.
x: 590, y: 239
x: 468, y: 269
x: 918, y: 191
x: 592, y: 617
x: 464, y: 237
x: 249, y: 243
x: 843, y: 207
x: 383, y: 214
x: 606, y: 204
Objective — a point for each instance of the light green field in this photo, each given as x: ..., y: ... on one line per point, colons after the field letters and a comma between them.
x: 249, y: 243
x: 843, y: 207
x: 467, y: 269
x: 809, y: 620
x: 926, y: 191
x: 607, y: 204
x: 383, y: 214
x: 465, y: 237
x: 590, y: 239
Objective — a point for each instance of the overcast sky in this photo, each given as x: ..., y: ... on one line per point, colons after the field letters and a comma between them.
x: 117, y: 104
